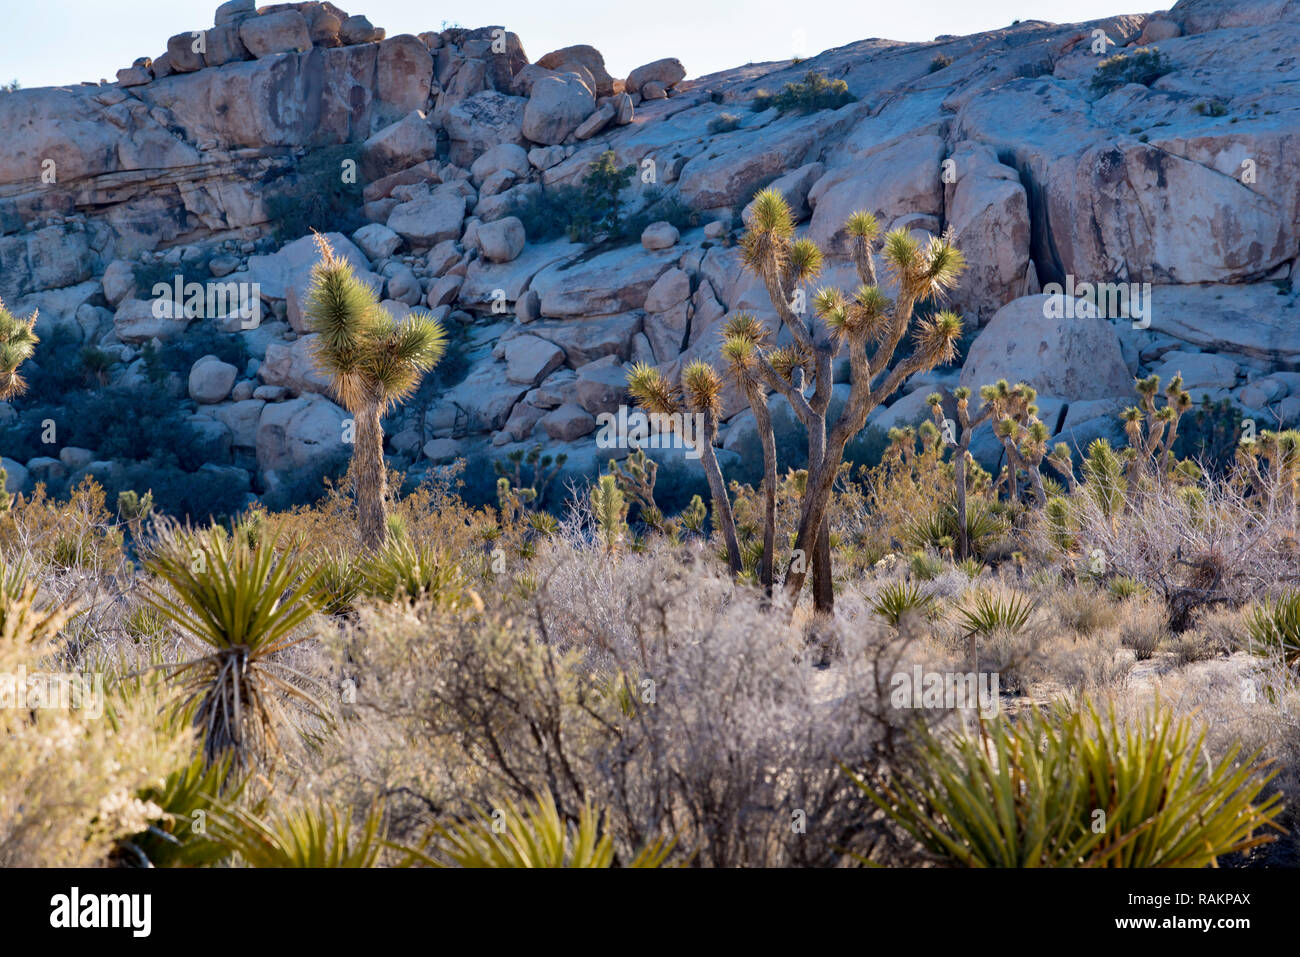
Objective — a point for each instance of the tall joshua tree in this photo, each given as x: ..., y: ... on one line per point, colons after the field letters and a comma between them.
x: 869, y: 319
x: 374, y: 363
x: 961, y: 453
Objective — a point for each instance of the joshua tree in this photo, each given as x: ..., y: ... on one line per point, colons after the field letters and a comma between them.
x: 636, y: 480
x: 921, y: 272
x: 961, y: 453
x: 701, y: 387
x: 744, y: 336
x: 1022, y: 434
x: 1153, y: 452
x: 17, y: 343
x: 374, y: 362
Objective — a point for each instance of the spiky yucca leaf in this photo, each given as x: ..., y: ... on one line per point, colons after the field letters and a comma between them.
x: 651, y: 390
x: 243, y: 604
x: 785, y: 360
x: 899, y: 599
x: 937, y: 337
x: 804, y: 260
x: 740, y: 353
x: 770, y: 213
x: 902, y: 252
x: 862, y: 225
x: 944, y: 264
x: 1023, y: 793
x: 702, y: 386
x: 309, y: 837
x: 746, y: 326
x: 533, y: 837
x: 399, y: 353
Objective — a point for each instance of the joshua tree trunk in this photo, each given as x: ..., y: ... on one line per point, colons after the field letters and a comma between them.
x: 369, y: 478
x: 959, y: 482
x: 722, y: 516
x: 763, y: 420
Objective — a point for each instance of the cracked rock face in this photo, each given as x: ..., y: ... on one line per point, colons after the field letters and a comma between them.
x: 453, y: 140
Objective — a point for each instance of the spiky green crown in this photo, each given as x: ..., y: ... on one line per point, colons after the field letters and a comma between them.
x: 702, y: 387
x: 651, y: 390
x: 17, y: 343
x: 937, y: 337
x: 369, y: 356
x: 804, y: 261
x: 862, y: 225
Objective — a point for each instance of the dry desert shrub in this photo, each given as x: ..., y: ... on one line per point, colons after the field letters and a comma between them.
x: 657, y: 690
x: 77, y: 756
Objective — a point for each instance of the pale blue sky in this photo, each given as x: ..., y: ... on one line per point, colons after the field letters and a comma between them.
x: 54, y: 42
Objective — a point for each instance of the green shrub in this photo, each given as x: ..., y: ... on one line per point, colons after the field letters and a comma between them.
x: 309, y: 837
x: 533, y: 837
x: 315, y: 196
x: 897, y: 600
x: 941, y: 61
x: 1214, y: 107
x: 1078, y: 789
x: 1144, y: 65
x: 724, y: 123
x: 1274, y: 625
x: 813, y: 94
x: 413, y: 572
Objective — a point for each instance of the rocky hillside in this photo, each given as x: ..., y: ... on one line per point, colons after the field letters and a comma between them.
x: 450, y: 169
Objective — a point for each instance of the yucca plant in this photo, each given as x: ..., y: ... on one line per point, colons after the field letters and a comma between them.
x: 1122, y: 587
x: 310, y: 837
x: 990, y: 613
x: 188, y: 800
x: 897, y: 600
x: 413, y: 572
x: 534, y: 836
x: 1077, y: 789
x: 338, y: 583
x: 1275, y: 626
x: 374, y: 362
x: 243, y: 605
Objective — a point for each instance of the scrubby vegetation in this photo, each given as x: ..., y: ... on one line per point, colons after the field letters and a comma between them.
x: 813, y: 94
x: 1079, y: 660
x: 595, y: 211
x: 1144, y: 65
x: 606, y: 686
